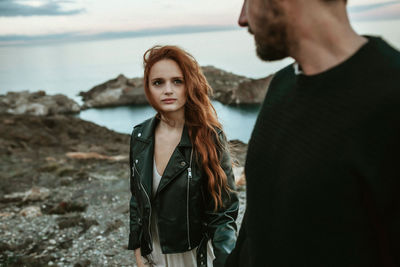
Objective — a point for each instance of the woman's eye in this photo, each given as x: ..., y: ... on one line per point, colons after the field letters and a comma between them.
x: 156, y: 83
x: 178, y: 81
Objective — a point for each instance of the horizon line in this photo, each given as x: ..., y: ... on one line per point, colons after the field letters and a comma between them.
x: 21, y: 40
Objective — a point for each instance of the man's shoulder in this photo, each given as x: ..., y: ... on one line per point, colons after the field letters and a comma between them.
x: 282, y: 82
x: 283, y: 78
x: 385, y: 56
x: 284, y: 73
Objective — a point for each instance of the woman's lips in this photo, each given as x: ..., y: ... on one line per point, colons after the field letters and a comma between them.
x: 168, y: 100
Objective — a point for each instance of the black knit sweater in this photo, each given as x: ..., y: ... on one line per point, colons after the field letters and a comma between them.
x: 323, y: 166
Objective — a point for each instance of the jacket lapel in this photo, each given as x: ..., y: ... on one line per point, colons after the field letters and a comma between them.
x: 178, y: 162
x: 144, y: 157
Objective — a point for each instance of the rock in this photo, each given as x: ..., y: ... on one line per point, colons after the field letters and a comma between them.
x: 116, y: 92
x: 34, y: 194
x: 94, y: 155
x: 241, y: 181
x: 232, y: 89
x: 82, y: 263
x: 86, y: 220
x: 111, y: 253
x: 66, y: 181
x: 64, y: 207
x: 31, y: 212
x: 238, y: 172
x: 4, y: 247
x: 6, y: 214
x: 228, y: 89
x: 113, y: 226
x: 238, y: 151
x: 37, y: 103
x: 69, y: 221
x: 62, y: 133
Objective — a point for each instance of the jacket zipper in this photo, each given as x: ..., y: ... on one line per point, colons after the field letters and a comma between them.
x: 149, y: 226
x: 187, y: 198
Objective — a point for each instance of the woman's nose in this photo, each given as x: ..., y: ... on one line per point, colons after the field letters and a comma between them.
x: 168, y: 88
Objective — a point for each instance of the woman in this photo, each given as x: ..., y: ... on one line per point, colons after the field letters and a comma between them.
x: 181, y: 175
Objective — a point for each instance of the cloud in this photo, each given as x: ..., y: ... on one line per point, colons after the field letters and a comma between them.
x: 381, y: 11
x: 6, y: 40
x: 362, y: 8
x: 13, y: 8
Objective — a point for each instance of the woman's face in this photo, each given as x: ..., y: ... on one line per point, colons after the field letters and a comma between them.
x: 167, y: 87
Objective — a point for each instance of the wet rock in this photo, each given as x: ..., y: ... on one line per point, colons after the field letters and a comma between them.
x: 36, y: 103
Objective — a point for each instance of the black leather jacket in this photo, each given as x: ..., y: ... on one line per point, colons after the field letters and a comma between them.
x: 185, y: 211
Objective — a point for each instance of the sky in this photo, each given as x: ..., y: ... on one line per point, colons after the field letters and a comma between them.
x: 29, y: 20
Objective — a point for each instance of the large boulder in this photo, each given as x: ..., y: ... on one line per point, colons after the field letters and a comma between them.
x: 116, y: 92
x: 228, y: 89
x: 232, y: 89
x: 36, y: 103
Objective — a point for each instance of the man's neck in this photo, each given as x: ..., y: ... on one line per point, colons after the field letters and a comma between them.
x: 325, y: 42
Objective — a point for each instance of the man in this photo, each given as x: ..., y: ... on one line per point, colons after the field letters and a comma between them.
x: 323, y: 161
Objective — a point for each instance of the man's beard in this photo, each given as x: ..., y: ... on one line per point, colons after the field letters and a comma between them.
x: 272, y: 43
x: 273, y: 46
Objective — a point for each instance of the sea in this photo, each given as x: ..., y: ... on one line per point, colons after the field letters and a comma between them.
x: 72, y: 67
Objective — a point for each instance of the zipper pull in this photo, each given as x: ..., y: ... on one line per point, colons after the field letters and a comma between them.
x: 190, y: 173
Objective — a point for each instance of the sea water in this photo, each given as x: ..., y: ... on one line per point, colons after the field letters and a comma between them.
x: 69, y: 68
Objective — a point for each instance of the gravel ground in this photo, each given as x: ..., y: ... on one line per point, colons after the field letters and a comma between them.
x: 97, y: 236
x: 61, y: 211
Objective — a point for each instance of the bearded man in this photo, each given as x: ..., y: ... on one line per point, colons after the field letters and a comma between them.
x: 322, y: 166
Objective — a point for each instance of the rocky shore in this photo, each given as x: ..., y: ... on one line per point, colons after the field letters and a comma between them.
x: 229, y: 89
x: 37, y: 103
x: 64, y: 192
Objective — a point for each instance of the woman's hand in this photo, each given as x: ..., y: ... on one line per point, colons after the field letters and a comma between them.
x: 138, y: 256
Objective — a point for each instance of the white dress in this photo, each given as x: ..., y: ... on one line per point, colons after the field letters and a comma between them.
x: 157, y: 258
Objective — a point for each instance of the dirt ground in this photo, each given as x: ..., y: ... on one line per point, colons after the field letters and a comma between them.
x: 64, y: 192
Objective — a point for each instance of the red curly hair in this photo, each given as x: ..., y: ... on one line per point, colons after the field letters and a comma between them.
x: 200, y: 116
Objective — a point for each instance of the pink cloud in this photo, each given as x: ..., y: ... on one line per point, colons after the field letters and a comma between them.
x: 382, y: 13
